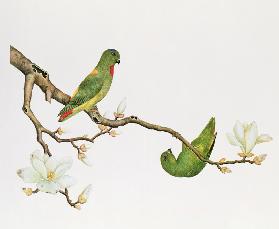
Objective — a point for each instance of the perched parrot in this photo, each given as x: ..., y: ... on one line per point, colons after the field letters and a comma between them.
x: 94, y: 87
x: 187, y: 163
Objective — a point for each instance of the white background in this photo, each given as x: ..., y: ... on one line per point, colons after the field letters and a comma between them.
x: 181, y: 63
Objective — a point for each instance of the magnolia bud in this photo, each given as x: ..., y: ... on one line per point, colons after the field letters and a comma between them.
x: 77, y: 206
x: 27, y: 191
x: 83, y: 148
x: 113, y: 133
x: 83, y: 197
x: 259, y: 159
x: 121, y: 107
x: 102, y: 127
x: 60, y: 131
x: 84, y: 159
x: 225, y: 170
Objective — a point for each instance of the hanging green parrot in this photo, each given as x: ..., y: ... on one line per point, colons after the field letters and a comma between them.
x: 94, y: 87
x: 187, y: 163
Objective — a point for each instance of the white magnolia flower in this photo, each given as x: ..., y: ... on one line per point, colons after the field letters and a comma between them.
x: 83, y: 197
x: 47, y: 172
x: 246, y: 137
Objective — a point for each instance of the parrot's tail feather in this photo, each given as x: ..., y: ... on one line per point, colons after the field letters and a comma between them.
x: 65, y: 115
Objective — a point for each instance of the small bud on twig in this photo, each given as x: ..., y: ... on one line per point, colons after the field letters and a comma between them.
x: 259, y: 159
x: 120, y: 109
x: 113, y: 133
x: 222, y: 160
x: 83, y: 148
x: 60, y: 131
x: 83, y: 197
x: 83, y: 158
x: 102, y: 127
x: 225, y: 170
x: 27, y: 191
x: 77, y: 206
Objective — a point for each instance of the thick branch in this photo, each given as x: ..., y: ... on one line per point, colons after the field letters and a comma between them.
x: 23, y: 64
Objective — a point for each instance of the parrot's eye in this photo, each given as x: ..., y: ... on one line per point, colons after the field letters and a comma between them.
x: 113, y: 53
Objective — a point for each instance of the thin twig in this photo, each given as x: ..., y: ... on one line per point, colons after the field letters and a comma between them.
x: 66, y: 194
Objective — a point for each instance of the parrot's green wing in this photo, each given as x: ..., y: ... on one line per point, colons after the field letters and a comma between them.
x: 88, y: 88
x: 187, y: 163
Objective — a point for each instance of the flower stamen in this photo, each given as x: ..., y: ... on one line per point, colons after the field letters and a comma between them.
x: 51, y: 175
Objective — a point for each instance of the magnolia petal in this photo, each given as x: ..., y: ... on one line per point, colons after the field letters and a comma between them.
x: 40, y: 155
x: 242, y: 148
x: 38, y: 165
x: 263, y: 138
x: 232, y: 140
x: 53, y: 163
x: 245, y: 125
x: 251, y: 137
x: 29, y: 175
x: 87, y: 191
x: 65, y: 181
x: 63, y: 167
x: 49, y: 187
x: 239, y: 132
x: 262, y: 157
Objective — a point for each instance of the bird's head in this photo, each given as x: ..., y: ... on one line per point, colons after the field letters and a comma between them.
x: 168, y: 161
x: 110, y: 57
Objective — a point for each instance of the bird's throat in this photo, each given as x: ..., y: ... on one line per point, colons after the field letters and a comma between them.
x: 111, y: 70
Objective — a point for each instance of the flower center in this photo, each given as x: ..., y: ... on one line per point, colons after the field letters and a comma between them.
x: 50, y: 176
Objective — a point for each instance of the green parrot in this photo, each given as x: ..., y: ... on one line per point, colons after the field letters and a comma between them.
x: 94, y: 87
x: 187, y: 163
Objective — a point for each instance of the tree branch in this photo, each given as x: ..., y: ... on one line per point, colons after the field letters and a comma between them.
x: 35, y: 75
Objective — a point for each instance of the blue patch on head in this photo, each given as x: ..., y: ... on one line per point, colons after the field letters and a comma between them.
x: 112, y: 50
